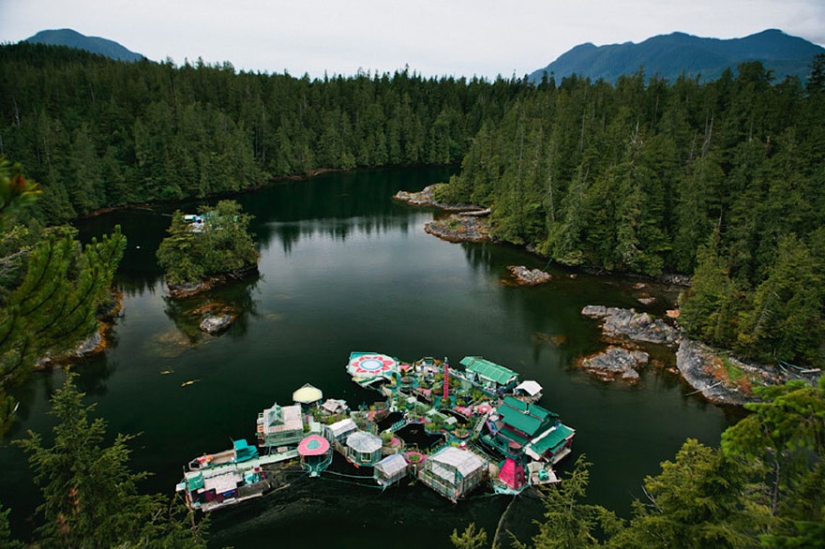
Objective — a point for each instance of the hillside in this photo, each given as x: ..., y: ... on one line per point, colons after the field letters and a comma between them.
x: 93, y: 44
x: 671, y: 55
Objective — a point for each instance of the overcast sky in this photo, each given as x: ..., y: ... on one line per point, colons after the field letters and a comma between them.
x: 448, y: 37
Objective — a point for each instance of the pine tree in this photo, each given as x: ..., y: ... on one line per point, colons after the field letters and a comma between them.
x: 91, y: 497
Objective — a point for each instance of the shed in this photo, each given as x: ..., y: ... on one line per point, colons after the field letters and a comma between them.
x: 341, y: 429
x: 390, y: 470
x: 453, y: 472
x: 530, y: 390
x: 363, y: 449
x: 334, y: 406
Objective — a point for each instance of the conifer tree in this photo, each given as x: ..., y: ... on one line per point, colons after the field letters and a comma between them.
x: 91, y: 496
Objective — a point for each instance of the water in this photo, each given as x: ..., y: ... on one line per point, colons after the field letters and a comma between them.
x: 344, y: 268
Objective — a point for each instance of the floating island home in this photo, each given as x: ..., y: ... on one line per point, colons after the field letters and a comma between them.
x: 456, y: 430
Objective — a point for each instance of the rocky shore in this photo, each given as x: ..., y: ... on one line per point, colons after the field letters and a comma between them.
x: 523, y: 276
x: 720, y: 378
x: 426, y: 197
x: 616, y: 363
x: 189, y: 289
x: 459, y: 228
x: 627, y: 323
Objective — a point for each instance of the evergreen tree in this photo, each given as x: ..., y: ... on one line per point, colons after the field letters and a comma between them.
x: 219, y: 245
x: 697, y: 501
x: 91, y: 496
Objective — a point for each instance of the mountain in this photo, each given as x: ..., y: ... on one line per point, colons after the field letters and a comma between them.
x: 94, y: 44
x: 673, y: 54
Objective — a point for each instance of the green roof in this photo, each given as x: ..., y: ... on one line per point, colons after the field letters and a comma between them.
x: 553, y: 441
x: 527, y: 424
x: 488, y: 370
x: 533, y: 409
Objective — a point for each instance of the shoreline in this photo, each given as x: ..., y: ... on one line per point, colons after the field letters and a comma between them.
x: 720, y: 377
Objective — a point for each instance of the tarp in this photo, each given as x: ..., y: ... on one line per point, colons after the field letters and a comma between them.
x: 243, y: 451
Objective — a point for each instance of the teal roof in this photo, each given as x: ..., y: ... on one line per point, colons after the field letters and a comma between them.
x: 553, y: 441
x: 488, y: 370
x: 532, y: 409
x: 527, y: 424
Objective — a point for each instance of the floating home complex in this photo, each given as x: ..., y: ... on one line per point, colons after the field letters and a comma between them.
x: 456, y: 430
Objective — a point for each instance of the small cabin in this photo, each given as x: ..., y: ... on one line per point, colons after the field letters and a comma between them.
x: 453, y: 472
x: 390, y: 470
x: 280, y: 426
x: 340, y: 430
x: 363, y: 449
x: 528, y: 391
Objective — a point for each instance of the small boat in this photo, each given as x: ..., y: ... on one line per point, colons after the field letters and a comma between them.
x: 212, y: 489
x: 241, y: 451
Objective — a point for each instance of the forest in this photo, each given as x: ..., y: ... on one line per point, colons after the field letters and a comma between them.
x: 720, y: 181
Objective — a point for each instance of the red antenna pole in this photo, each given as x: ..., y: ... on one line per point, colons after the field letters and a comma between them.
x: 446, y: 379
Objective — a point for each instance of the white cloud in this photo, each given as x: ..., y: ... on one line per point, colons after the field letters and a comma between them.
x: 460, y: 37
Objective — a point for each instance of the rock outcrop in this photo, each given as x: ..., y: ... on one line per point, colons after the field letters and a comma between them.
x: 459, y: 228
x: 616, y: 363
x: 215, y: 324
x: 627, y: 323
x: 426, y: 197
x: 721, y: 379
x: 529, y: 277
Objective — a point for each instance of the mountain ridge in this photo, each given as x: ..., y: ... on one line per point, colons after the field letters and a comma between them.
x: 93, y: 44
x: 671, y: 55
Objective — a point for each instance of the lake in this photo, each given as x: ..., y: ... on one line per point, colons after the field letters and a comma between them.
x: 345, y: 268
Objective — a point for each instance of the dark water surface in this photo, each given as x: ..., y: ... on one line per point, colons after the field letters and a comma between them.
x: 345, y: 268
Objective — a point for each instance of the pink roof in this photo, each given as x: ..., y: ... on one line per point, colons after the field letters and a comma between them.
x: 509, y: 474
x: 313, y: 445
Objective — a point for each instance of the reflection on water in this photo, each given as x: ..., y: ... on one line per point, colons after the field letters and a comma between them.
x: 345, y: 268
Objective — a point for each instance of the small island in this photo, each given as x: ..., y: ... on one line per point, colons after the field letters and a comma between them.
x: 207, y: 250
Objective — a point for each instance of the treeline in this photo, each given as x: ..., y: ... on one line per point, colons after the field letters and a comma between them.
x: 647, y: 176
x: 724, y: 178
x: 98, y: 133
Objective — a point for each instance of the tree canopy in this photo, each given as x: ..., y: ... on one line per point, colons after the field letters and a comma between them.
x: 91, y: 497
x: 218, y: 243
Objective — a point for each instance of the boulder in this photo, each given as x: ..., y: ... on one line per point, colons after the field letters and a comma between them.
x: 627, y: 323
x: 214, y: 324
x: 616, y: 363
x: 529, y: 277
